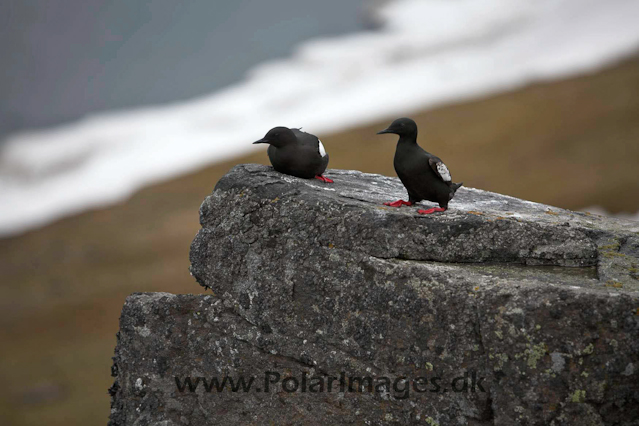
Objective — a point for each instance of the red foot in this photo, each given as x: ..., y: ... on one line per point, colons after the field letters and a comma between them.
x: 398, y: 203
x: 324, y: 179
x: 433, y: 210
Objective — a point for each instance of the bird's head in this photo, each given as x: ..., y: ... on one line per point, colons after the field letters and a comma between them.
x: 402, y: 127
x: 278, y: 137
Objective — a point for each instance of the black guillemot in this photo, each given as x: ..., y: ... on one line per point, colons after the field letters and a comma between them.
x: 296, y: 153
x: 424, y: 175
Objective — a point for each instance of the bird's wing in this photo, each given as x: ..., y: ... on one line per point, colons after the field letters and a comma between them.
x: 321, y: 149
x: 310, y: 140
x: 440, y: 168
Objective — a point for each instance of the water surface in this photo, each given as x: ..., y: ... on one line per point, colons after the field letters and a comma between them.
x: 62, y: 59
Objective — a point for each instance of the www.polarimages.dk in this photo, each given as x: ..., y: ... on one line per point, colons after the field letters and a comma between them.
x: 273, y: 381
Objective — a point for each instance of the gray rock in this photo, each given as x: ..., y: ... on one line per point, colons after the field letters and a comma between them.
x: 537, y: 307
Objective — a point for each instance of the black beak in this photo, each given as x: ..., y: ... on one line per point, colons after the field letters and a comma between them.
x: 389, y: 130
x: 263, y: 140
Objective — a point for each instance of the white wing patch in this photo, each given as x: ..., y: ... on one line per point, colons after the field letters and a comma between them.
x: 443, y: 172
x: 322, y: 151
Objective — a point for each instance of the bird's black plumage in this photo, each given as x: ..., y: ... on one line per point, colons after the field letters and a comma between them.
x: 424, y: 175
x: 296, y: 153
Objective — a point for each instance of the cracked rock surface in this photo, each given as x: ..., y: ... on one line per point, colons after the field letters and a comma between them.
x: 537, y: 305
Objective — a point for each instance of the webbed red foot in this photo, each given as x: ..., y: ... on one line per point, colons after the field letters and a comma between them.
x: 324, y: 179
x: 432, y: 210
x: 398, y: 203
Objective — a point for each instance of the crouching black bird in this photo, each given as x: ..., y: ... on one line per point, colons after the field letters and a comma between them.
x: 424, y: 175
x: 296, y: 153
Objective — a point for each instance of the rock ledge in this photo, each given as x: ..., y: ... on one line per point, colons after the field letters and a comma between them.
x: 535, y: 308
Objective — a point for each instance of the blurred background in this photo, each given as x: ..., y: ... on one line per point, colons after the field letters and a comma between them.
x: 118, y: 117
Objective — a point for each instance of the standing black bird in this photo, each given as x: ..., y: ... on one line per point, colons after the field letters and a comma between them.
x: 296, y: 153
x: 424, y: 175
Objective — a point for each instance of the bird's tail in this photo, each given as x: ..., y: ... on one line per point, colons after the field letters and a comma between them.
x: 453, y: 188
